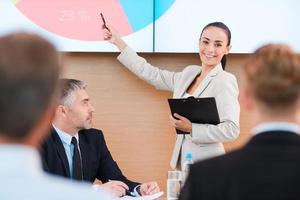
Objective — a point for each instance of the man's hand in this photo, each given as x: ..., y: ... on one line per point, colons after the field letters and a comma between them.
x: 149, y: 188
x: 118, y: 188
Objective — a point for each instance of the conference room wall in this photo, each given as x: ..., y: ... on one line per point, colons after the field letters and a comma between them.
x: 133, y: 115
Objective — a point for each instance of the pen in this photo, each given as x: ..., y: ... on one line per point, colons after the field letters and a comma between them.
x: 127, y: 192
x: 103, y: 20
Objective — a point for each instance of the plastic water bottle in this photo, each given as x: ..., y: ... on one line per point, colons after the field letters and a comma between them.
x: 188, y: 160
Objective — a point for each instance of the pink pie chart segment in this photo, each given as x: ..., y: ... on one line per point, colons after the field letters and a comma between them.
x: 78, y: 19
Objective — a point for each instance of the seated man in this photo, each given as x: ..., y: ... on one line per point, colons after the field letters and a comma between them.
x: 267, y: 167
x: 29, y: 70
x: 91, y: 159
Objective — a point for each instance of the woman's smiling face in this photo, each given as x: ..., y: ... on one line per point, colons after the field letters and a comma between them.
x: 213, y: 45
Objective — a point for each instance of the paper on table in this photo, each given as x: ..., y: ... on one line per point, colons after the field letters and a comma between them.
x: 147, y: 197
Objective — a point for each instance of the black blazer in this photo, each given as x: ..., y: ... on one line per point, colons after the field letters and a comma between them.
x: 97, y: 161
x: 267, y: 167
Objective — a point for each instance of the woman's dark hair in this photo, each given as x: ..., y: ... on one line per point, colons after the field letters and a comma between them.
x: 220, y: 25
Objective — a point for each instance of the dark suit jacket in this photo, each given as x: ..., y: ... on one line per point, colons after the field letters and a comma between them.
x: 268, y: 167
x: 97, y: 161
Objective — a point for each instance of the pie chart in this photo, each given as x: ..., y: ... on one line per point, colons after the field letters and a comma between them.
x: 80, y: 19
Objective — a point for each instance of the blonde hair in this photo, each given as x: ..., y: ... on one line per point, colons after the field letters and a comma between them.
x: 273, y: 74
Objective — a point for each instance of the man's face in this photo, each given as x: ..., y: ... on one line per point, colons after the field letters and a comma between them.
x: 79, y: 114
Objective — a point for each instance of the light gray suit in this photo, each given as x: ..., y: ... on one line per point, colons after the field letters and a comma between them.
x: 205, y: 141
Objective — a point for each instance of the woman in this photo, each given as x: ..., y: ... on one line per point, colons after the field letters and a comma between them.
x: 208, y: 80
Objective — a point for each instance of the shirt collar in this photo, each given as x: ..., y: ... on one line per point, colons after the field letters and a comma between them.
x: 276, y: 126
x: 65, y: 137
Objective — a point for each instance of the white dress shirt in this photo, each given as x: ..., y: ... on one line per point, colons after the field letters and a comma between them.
x: 22, y: 178
x: 276, y: 126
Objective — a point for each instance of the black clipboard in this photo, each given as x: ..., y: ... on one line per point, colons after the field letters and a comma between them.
x: 197, y: 110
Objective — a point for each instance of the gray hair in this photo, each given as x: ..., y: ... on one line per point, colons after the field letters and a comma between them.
x: 68, y: 86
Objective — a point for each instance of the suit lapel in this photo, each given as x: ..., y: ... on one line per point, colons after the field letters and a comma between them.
x: 85, y: 155
x: 186, y: 84
x: 207, y: 80
x: 61, y: 152
x: 203, y: 85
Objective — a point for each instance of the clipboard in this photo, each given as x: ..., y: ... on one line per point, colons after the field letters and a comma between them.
x: 197, y: 110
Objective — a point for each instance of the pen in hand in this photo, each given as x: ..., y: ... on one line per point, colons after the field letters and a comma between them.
x: 117, y: 187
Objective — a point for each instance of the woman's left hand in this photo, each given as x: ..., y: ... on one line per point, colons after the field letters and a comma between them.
x: 181, y: 123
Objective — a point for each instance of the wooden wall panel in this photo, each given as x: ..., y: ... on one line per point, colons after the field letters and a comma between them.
x: 133, y: 115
